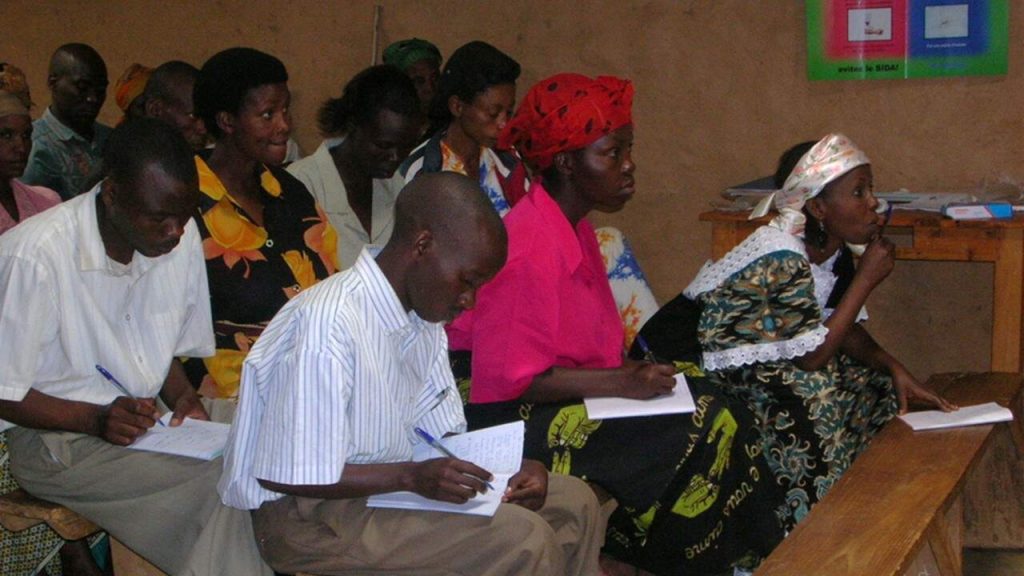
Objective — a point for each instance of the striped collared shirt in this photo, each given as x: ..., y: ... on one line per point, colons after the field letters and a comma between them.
x: 341, y: 375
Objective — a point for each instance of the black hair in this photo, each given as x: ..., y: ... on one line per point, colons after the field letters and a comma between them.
x: 227, y: 77
x: 471, y: 70
x: 813, y: 231
x: 789, y: 159
x: 138, y: 142
x: 382, y: 87
x: 162, y: 80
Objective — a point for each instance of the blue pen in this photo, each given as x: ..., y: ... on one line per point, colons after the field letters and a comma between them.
x: 648, y: 355
x: 440, y: 447
x: 110, y: 378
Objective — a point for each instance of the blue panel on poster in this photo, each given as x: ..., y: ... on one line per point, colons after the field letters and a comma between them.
x: 941, y: 28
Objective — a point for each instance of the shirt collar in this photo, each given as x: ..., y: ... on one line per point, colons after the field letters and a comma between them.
x: 389, y: 310
x: 211, y: 185
x: 92, y: 254
x: 557, y: 225
x: 60, y: 130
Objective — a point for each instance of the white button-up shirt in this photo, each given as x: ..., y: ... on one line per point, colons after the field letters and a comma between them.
x: 65, y: 307
x: 341, y: 375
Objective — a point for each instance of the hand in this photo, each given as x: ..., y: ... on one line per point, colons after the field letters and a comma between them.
x: 909, y: 389
x: 529, y: 487
x: 645, y: 380
x: 188, y: 406
x: 878, y: 261
x: 449, y: 479
x: 125, y: 419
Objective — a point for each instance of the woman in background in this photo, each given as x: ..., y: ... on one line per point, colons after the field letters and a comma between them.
x: 782, y: 332
x: 370, y: 130
x: 264, y: 237
x: 475, y: 100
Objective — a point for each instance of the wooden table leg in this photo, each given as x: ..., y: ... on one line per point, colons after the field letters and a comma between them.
x: 1007, y: 302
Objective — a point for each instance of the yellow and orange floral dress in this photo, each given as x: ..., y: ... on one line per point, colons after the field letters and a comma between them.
x: 254, y: 270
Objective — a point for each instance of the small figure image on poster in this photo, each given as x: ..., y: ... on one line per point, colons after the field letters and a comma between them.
x: 869, y: 25
x: 946, y: 21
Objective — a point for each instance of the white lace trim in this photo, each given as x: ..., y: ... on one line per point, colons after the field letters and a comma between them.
x: 765, y: 351
x: 764, y: 240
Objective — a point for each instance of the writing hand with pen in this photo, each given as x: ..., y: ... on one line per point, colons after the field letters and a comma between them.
x: 126, y: 418
x: 647, y: 378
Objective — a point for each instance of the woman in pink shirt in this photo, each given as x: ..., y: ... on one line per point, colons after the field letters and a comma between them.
x: 18, y: 200
x: 693, y: 493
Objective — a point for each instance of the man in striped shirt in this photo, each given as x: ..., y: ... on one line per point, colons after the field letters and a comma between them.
x: 331, y: 394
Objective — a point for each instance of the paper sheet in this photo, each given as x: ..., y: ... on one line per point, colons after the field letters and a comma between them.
x: 680, y: 401
x: 193, y: 438
x: 965, y: 416
x: 498, y: 449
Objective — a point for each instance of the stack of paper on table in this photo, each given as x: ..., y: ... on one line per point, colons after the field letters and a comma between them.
x: 192, y: 438
x: 498, y: 449
x: 680, y: 401
x: 966, y: 416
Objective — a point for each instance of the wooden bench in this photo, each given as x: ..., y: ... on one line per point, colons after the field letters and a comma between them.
x: 913, y: 500
x: 19, y: 510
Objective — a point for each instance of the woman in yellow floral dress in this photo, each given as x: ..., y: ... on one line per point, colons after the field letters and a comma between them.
x: 264, y: 236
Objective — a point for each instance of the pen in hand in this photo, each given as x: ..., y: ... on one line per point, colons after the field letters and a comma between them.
x: 648, y: 355
x: 110, y: 378
x: 430, y: 440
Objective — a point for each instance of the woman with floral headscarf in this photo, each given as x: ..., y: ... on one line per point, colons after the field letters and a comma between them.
x: 781, y: 332
x: 545, y: 333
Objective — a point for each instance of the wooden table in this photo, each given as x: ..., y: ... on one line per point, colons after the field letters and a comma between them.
x: 933, y: 237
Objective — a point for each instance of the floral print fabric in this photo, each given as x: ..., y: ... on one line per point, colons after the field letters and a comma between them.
x: 812, y: 423
x: 254, y: 270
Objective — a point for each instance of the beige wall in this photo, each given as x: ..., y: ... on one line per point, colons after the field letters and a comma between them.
x: 721, y: 91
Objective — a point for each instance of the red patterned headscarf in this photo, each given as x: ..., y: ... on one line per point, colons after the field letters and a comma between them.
x: 567, y: 112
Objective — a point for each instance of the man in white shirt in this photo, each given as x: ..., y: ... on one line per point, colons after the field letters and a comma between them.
x: 116, y: 278
x: 331, y: 394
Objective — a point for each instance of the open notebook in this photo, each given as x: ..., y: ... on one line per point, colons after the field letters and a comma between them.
x: 192, y: 438
x: 498, y: 449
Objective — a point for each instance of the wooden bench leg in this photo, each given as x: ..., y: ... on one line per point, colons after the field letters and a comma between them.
x: 942, y: 551
x: 128, y: 562
x: 994, y: 495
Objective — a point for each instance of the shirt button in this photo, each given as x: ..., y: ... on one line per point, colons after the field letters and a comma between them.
x: 128, y: 317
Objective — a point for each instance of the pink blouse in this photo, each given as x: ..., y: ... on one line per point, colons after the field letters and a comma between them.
x: 551, y: 305
x: 30, y: 200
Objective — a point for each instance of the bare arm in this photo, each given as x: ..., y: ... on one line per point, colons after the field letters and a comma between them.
x: 631, y: 380
x: 119, y: 422
x: 860, y: 346
x: 180, y: 397
x: 446, y: 479
x: 876, y: 263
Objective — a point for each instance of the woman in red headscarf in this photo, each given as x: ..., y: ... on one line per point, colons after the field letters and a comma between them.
x: 545, y: 334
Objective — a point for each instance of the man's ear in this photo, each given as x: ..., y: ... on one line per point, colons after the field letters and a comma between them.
x: 226, y: 122
x: 423, y: 243
x: 456, y: 106
x: 154, y: 107
x: 51, y: 80
x: 108, y: 194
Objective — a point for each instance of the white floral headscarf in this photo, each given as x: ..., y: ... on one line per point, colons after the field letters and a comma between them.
x: 833, y: 156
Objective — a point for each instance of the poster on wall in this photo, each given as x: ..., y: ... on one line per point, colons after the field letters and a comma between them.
x: 885, y: 39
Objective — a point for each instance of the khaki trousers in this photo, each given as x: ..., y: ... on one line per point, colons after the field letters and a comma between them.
x: 165, y: 508
x: 327, y: 537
